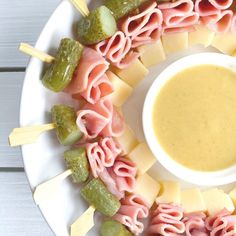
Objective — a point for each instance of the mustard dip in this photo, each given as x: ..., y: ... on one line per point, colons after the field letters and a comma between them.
x: 194, y: 117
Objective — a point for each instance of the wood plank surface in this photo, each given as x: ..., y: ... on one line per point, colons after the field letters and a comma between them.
x: 21, y: 21
x: 18, y: 213
x: 10, y: 93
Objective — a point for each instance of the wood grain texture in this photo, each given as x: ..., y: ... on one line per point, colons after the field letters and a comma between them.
x: 18, y: 213
x: 10, y: 93
x: 21, y: 21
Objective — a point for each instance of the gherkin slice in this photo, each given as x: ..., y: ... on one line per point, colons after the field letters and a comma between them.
x: 97, y: 195
x: 97, y: 26
x: 76, y: 160
x: 60, y: 73
x: 120, y: 8
x: 114, y: 228
x: 67, y: 130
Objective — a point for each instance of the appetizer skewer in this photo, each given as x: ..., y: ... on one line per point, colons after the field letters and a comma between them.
x: 63, y: 121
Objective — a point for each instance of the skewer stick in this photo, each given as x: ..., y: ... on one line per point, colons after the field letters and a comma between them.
x: 26, y: 135
x: 49, y: 188
x: 81, y: 6
x: 84, y: 223
x: 28, y: 49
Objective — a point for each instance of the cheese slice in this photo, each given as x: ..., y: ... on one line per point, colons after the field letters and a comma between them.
x: 127, y: 140
x: 216, y: 200
x: 170, y: 193
x: 142, y: 157
x: 232, y: 195
x: 147, y: 187
x: 83, y: 224
x: 175, y: 42
x: 225, y: 43
x: 192, y: 200
x: 133, y: 74
x: 152, y: 54
x: 121, y: 89
x: 201, y: 35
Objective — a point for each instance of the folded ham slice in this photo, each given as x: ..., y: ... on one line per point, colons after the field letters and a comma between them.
x: 233, y: 24
x: 166, y: 220
x: 195, y: 224
x: 120, y: 177
x: 90, y: 80
x: 100, y: 119
x: 213, y: 14
x: 117, y: 50
x: 145, y: 27
x: 133, y: 209
x: 102, y: 154
x: 222, y: 224
x: 178, y: 16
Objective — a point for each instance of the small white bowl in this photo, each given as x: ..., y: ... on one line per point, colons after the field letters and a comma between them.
x: 214, y: 178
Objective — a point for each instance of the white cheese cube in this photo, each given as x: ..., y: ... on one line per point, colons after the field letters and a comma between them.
x: 127, y: 141
x: 192, y: 200
x: 142, y: 157
x: 202, y: 35
x: 170, y: 193
x: 225, y: 43
x: 147, y: 187
x: 133, y: 74
x: 216, y: 200
x: 121, y: 89
x: 175, y: 42
x: 152, y: 54
x: 232, y: 194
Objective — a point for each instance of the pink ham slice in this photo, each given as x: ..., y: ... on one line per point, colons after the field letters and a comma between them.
x: 178, y: 16
x: 166, y: 220
x: 124, y: 172
x: 120, y: 177
x: 117, y: 50
x: 213, y: 14
x: 143, y: 28
x: 90, y: 80
x: 233, y: 25
x: 195, y: 224
x: 133, y: 209
x: 222, y: 224
x: 100, y: 119
x: 102, y: 154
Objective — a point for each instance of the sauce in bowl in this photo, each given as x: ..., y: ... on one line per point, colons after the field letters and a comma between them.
x: 194, y: 117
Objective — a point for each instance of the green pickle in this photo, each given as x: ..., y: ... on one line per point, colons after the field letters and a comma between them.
x: 97, y: 195
x: 97, y: 26
x: 60, y: 73
x: 120, y: 8
x: 76, y: 160
x: 67, y: 130
x: 114, y: 228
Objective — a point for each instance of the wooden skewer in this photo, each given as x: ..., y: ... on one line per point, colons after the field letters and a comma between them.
x: 28, y: 49
x: 26, y: 135
x: 49, y: 188
x: 84, y: 223
x: 81, y: 6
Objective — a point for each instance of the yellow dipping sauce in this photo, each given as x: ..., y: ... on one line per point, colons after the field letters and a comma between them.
x: 194, y: 117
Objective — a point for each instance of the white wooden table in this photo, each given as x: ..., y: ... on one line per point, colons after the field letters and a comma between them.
x: 19, y: 21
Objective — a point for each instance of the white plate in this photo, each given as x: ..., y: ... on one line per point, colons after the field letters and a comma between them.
x: 44, y: 159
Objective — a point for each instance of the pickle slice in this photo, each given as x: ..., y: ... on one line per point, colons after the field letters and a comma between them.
x: 114, y: 228
x: 97, y: 26
x: 120, y: 8
x: 67, y: 130
x: 76, y: 160
x: 97, y: 195
x: 60, y: 73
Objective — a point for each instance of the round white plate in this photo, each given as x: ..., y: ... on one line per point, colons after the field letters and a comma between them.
x: 44, y: 159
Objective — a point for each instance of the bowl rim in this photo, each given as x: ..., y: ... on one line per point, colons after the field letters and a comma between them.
x: 214, y: 178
